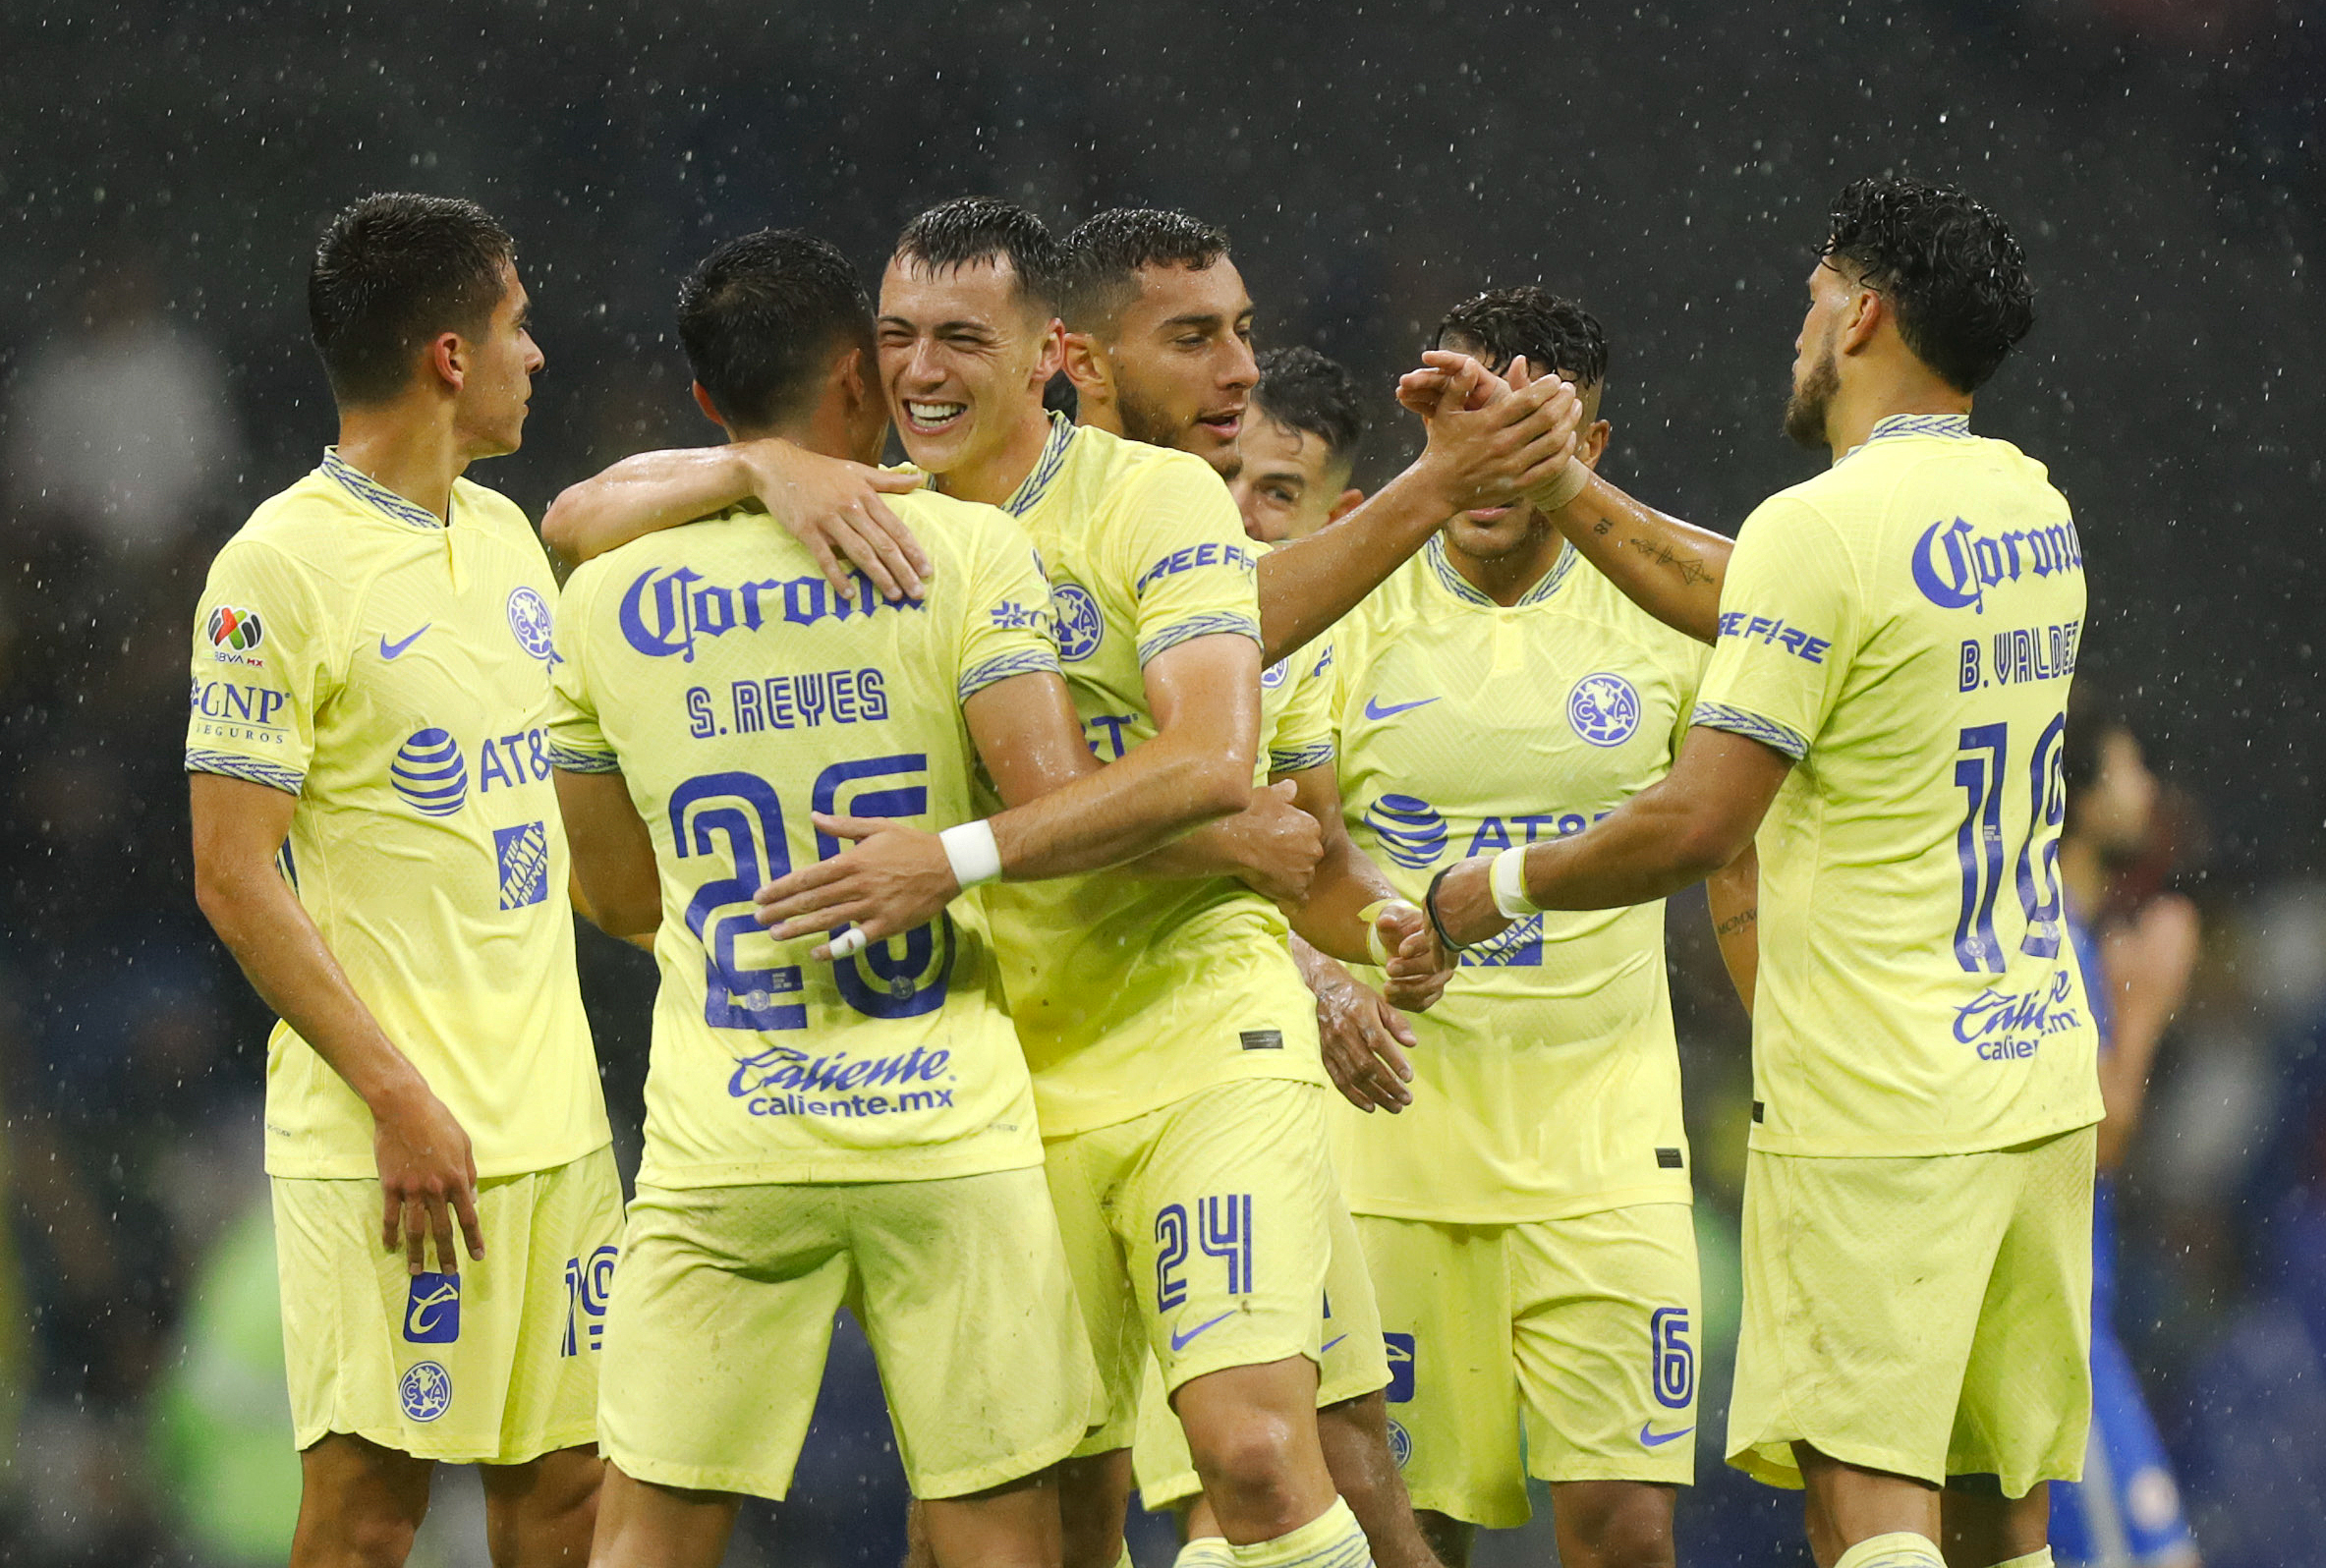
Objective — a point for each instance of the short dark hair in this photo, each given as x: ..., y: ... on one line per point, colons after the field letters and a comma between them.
x: 2093, y: 714
x: 1106, y: 251
x: 390, y: 273
x: 1554, y: 334
x: 1304, y: 390
x: 760, y: 317
x: 972, y: 229
x: 1945, y: 264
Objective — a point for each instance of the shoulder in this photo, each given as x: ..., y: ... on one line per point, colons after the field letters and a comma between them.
x: 947, y: 526
x: 1601, y: 603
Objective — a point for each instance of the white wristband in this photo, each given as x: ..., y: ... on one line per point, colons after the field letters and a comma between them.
x: 1554, y: 494
x: 1507, y: 881
x: 1371, y: 914
x: 972, y: 853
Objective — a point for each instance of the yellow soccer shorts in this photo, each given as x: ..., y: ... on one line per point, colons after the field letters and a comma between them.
x: 1198, y: 1232
x: 1350, y: 1364
x: 1579, y: 1332
x: 498, y: 1364
x: 716, y: 1341
x: 1927, y: 1317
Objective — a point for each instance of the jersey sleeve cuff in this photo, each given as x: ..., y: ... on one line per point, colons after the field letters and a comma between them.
x: 1753, y: 727
x: 1026, y: 661
x: 1219, y: 624
x: 571, y: 760
x: 1300, y: 758
x: 228, y: 764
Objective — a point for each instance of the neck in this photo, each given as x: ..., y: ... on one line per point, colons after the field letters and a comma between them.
x: 1098, y: 412
x: 808, y: 434
x: 412, y: 450
x: 2083, y: 876
x: 1876, y: 393
x: 1505, y: 578
x: 994, y: 477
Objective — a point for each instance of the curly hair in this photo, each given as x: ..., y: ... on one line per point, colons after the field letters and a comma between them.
x: 1949, y: 267
x: 1303, y: 391
x: 1554, y: 334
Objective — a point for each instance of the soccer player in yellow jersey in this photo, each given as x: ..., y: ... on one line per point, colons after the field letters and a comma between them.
x: 1300, y: 440
x: 1885, y: 707
x: 376, y: 840
x: 863, y: 1130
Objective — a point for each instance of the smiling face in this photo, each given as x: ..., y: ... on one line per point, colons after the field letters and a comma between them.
x: 964, y: 357
x: 1181, y: 353
x: 498, y: 371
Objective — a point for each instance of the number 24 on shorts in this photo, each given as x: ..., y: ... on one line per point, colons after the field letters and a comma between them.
x: 1222, y: 1228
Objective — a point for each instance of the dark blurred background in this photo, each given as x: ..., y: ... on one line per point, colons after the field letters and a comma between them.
x: 164, y: 170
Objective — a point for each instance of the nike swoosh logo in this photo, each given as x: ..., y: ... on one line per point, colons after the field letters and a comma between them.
x: 1330, y: 1343
x: 1373, y: 710
x: 1651, y: 1438
x: 1181, y: 1341
x: 389, y: 651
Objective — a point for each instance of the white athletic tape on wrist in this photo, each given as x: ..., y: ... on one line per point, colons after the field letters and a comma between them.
x: 1507, y: 881
x: 1556, y: 493
x: 972, y: 853
x: 1371, y: 914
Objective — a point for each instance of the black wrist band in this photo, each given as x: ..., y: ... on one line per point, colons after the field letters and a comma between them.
x: 1430, y: 907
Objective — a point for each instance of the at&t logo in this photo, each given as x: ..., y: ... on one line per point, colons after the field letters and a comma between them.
x: 430, y: 773
x: 1412, y: 833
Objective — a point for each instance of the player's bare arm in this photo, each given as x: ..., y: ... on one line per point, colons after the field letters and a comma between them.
x: 1488, y: 443
x: 1679, y: 830
x: 1272, y: 846
x: 614, y: 854
x: 1734, y: 895
x: 427, y: 1176
x: 832, y: 506
x: 1066, y: 812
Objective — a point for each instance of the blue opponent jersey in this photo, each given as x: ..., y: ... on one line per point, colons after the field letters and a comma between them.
x: 2103, y: 1005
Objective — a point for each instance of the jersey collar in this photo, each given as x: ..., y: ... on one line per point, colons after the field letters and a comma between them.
x: 376, y: 495
x: 1947, y: 426
x: 1464, y: 590
x: 1036, y: 484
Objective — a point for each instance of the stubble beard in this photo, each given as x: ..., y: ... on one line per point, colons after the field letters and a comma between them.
x: 1806, y: 410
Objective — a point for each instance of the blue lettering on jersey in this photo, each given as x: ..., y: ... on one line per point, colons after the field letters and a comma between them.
x: 780, y: 1081
x: 1672, y: 1364
x: 1604, y: 709
x: 1494, y: 832
x: 589, y: 1283
x: 513, y: 759
x: 1954, y: 564
x: 432, y: 1313
x: 524, y: 856
x: 1412, y: 831
x: 1772, y: 632
x: 806, y: 701
x: 233, y: 702
x: 1520, y: 946
x: 2008, y: 1026
x: 664, y: 613
x: 429, y: 773
x: 1011, y: 616
x: 1076, y: 622
x: 1401, y: 1368
x: 2024, y: 655
x: 1103, y: 733
x: 529, y: 621
x: 1210, y: 553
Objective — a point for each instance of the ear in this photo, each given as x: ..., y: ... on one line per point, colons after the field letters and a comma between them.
x: 448, y: 360
x: 1350, y: 499
x: 708, y: 408
x: 1593, y: 444
x: 1861, y: 319
x: 1086, y: 365
x: 848, y: 372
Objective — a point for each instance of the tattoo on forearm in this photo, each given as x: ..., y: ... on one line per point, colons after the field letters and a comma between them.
x: 1691, y: 568
x: 1737, y: 921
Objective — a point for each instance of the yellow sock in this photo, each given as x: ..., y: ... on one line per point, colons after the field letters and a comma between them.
x: 2040, y: 1557
x: 1206, y: 1552
x: 1331, y: 1540
x: 1901, y: 1548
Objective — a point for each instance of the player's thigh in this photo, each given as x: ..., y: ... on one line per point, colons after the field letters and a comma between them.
x: 715, y: 1340
x: 1085, y: 1173
x: 1225, y: 1222
x: 1452, y: 1395
x: 495, y: 1363
x: 357, y: 1500
x: 1606, y: 1312
x: 1863, y: 1286
x: 2027, y: 1391
x: 966, y: 1299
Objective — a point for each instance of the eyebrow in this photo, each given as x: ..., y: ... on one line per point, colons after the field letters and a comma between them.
x: 1195, y: 318
x: 964, y: 325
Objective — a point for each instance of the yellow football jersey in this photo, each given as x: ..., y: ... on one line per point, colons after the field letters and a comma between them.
x: 1547, y: 1083
x: 1130, y: 993
x: 714, y: 669
x: 1904, y: 626
x: 393, y: 672
x: 1296, y: 716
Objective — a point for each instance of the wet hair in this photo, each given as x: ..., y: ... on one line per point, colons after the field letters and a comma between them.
x: 1554, y: 334
x: 390, y: 273
x: 971, y: 229
x: 1104, y: 254
x: 1304, y: 390
x: 760, y: 318
x: 2092, y: 716
x: 1948, y: 267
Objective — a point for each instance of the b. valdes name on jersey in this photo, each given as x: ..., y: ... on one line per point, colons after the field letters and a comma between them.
x: 664, y: 613
x: 1955, y: 562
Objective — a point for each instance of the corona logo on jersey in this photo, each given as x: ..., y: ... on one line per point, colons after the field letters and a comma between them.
x: 1604, y: 709
x: 664, y: 613
x: 1954, y: 564
x: 430, y: 773
x: 1079, y: 626
x: 1413, y: 832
